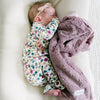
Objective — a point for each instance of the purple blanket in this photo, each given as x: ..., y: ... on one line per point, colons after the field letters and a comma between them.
x: 72, y: 36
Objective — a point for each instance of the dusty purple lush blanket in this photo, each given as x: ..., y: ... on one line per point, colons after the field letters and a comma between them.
x: 72, y: 36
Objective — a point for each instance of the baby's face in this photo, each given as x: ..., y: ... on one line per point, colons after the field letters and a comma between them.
x: 49, y: 13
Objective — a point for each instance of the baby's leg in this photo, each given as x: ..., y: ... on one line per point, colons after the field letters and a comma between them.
x: 53, y: 83
x: 33, y: 72
x: 34, y: 75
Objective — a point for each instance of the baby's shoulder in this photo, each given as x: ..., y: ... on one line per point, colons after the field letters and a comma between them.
x: 37, y: 24
x: 37, y: 27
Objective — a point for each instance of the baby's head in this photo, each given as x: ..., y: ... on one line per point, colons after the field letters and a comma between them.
x: 41, y: 12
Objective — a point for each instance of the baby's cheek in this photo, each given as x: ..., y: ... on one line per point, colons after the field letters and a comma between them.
x: 49, y: 20
x: 53, y: 11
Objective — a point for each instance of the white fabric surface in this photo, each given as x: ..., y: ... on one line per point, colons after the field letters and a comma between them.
x: 13, y: 29
x: 94, y: 19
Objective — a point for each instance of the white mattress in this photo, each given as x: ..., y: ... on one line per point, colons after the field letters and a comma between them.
x: 13, y: 29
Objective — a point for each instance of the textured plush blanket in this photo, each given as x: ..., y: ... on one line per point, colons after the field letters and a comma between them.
x: 72, y: 36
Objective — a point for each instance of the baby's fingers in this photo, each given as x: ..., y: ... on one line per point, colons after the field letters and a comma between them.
x: 40, y: 47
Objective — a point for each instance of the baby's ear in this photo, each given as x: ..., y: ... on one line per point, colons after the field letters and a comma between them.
x: 38, y: 18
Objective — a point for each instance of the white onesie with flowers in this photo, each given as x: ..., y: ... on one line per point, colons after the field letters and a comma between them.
x: 38, y: 69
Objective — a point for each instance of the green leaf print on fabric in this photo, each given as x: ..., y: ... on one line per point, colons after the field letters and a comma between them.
x: 40, y: 75
x: 36, y: 27
x: 35, y: 72
x: 33, y: 66
x: 41, y: 60
x: 29, y: 66
x: 28, y: 50
x: 38, y: 78
x: 32, y: 60
x: 43, y: 42
x: 49, y: 69
x: 32, y: 53
x: 31, y: 34
x: 44, y: 71
x: 30, y: 43
x: 38, y: 34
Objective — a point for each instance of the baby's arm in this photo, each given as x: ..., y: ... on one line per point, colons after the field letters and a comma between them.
x: 51, y: 28
x: 47, y: 32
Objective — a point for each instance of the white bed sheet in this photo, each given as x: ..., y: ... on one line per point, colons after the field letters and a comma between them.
x: 94, y: 19
x: 13, y: 29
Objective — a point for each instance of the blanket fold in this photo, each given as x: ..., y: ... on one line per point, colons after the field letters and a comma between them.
x: 72, y: 36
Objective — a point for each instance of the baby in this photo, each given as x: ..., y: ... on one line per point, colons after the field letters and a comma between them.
x: 37, y: 65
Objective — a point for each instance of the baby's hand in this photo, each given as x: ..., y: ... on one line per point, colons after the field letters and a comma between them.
x: 39, y: 45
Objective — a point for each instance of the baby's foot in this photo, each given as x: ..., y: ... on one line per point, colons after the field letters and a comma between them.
x: 53, y: 92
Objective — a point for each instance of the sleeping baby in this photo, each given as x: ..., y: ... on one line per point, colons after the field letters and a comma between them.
x: 38, y: 68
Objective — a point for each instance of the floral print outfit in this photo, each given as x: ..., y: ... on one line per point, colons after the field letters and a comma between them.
x: 38, y: 69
